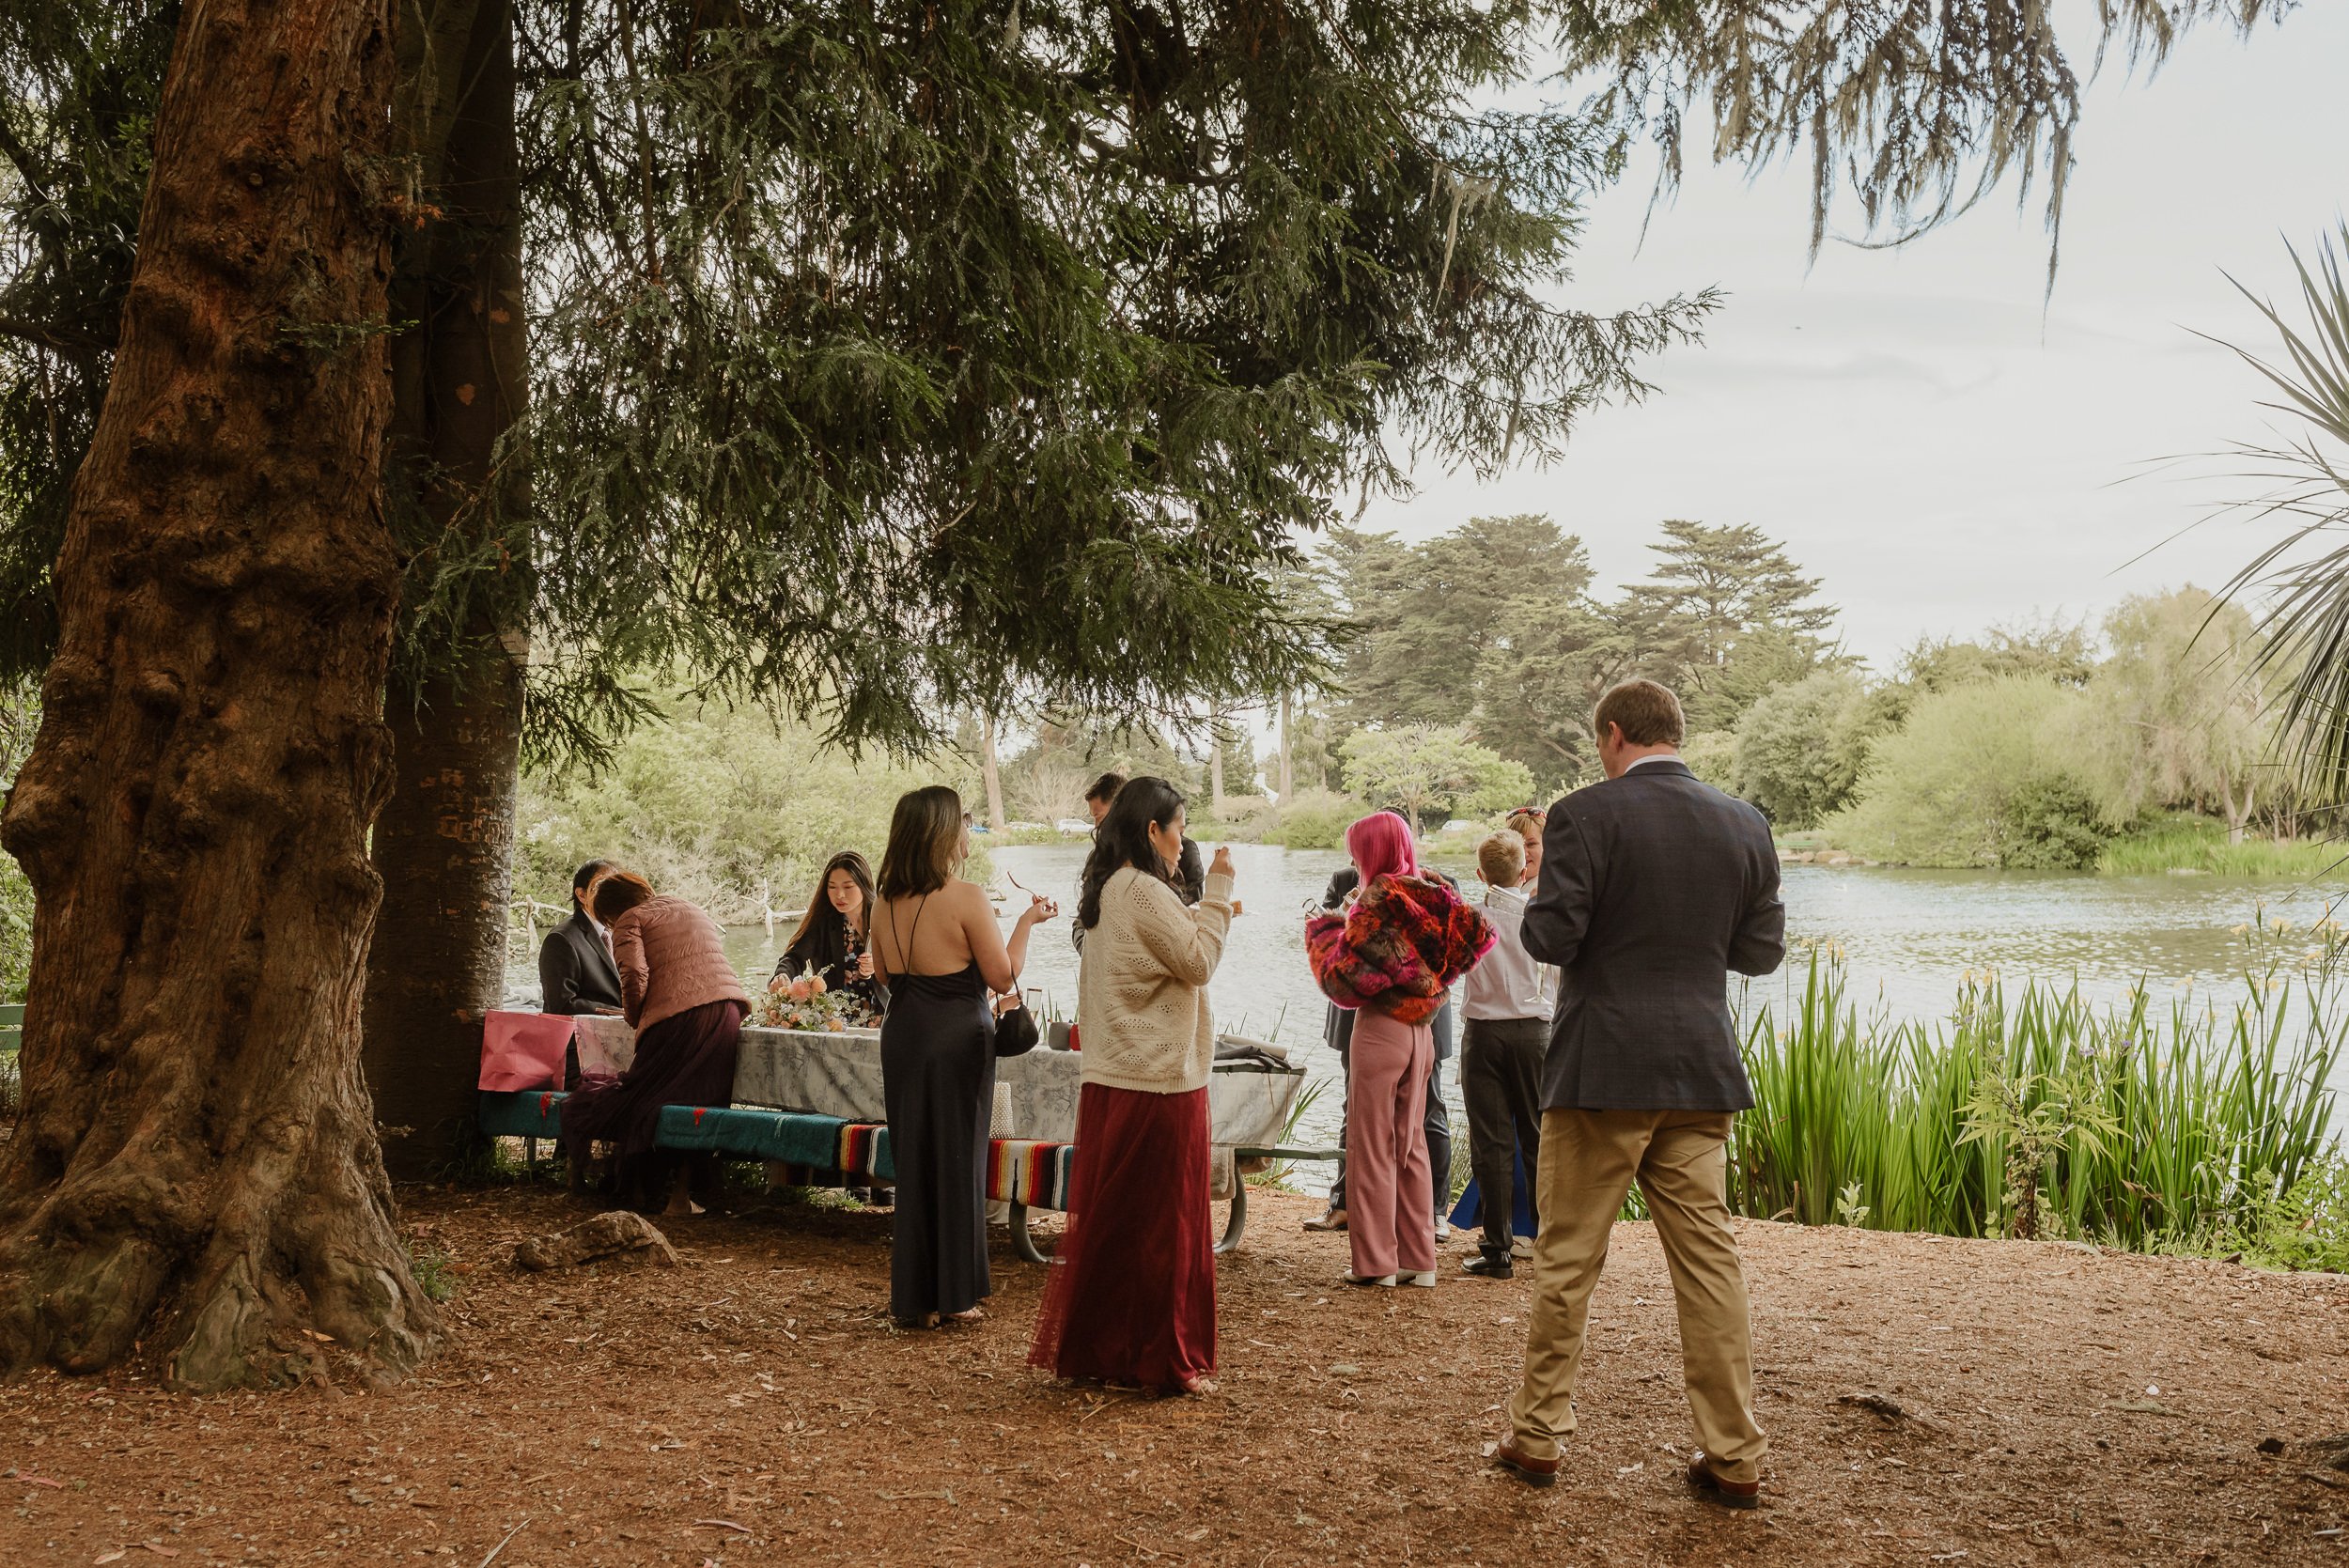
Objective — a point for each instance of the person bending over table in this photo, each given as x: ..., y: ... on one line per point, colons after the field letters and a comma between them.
x: 681, y: 994
x: 1132, y: 1294
x: 938, y: 948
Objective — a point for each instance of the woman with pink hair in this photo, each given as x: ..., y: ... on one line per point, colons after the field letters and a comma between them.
x: 1392, y: 954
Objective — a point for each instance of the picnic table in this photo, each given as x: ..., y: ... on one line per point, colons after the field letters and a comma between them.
x: 820, y: 1095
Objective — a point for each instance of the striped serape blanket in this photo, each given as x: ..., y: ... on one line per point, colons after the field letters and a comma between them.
x: 865, y: 1151
x: 1027, y: 1171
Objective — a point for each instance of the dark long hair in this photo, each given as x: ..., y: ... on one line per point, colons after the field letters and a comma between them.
x: 923, y: 833
x: 1123, y: 840
x: 823, y: 933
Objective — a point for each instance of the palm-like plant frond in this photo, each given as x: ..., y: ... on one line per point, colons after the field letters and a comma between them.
x: 2305, y: 573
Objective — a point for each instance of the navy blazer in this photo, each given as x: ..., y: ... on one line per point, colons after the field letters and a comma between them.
x: 1654, y: 887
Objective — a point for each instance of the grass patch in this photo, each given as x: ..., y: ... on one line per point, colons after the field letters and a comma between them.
x: 2037, y: 1114
x: 2198, y: 844
x: 435, y: 1271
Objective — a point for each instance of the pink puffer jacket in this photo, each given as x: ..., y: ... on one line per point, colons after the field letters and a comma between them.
x: 671, y: 957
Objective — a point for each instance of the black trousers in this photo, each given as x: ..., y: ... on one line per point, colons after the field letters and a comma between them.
x: 1339, y: 1033
x: 1500, y: 1084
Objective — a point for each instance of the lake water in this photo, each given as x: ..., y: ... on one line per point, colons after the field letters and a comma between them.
x: 1909, y: 938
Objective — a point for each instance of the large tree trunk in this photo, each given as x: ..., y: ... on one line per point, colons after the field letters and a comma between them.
x: 195, y: 1176
x: 444, y: 843
x: 991, y: 775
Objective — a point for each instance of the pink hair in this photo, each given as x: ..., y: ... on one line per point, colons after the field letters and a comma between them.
x: 1381, y: 846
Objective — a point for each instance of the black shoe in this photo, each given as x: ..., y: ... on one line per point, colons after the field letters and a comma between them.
x: 1485, y: 1266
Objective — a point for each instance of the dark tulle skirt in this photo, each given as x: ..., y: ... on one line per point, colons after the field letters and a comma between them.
x: 1131, y: 1293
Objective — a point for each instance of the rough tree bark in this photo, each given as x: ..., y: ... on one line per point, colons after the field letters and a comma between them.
x: 459, y: 373
x: 195, y: 1177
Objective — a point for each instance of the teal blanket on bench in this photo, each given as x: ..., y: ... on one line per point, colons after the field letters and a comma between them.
x: 793, y: 1138
x: 796, y: 1138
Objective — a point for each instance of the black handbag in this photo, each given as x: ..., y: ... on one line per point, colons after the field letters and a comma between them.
x: 1015, y: 1034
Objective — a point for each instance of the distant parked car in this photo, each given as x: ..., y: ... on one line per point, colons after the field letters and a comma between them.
x: 1074, y: 825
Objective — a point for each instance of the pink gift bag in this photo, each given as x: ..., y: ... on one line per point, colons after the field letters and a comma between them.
x: 523, y: 1051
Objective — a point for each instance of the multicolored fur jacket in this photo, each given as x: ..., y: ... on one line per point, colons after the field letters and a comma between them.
x: 1396, y: 950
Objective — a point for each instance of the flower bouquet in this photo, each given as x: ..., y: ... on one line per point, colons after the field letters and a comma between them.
x: 805, y: 1003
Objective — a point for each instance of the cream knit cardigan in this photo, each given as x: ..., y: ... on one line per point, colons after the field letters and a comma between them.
x: 1142, y: 1018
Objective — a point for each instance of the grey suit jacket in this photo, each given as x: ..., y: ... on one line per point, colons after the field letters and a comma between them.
x: 1654, y: 887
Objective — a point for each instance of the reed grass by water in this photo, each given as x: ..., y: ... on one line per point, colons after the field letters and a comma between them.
x: 2038, y: 1113
x: 2200, y: 845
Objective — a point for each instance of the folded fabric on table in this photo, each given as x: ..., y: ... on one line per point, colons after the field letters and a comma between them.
x: 1031, y: 1172
x: 863, y: 1151
x: 796, y: 1137
x: 523, y: 1114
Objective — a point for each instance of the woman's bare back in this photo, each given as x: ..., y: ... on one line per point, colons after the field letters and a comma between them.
x: 932, y: 924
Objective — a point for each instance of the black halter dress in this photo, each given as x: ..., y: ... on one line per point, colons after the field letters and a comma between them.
x: 938, y: 1082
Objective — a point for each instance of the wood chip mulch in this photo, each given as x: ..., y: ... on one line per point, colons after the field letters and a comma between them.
x: 1927, y: 1400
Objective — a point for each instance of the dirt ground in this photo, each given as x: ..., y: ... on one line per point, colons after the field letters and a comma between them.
x: 755, y: 1406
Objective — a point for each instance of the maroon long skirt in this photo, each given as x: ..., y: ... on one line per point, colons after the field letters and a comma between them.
x: 685, y: 1060
x: 1131, y: 1293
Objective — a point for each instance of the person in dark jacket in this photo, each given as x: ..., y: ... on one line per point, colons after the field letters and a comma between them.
x: 1654, y: 888
x: 831, y: 942
x: 575, y: 970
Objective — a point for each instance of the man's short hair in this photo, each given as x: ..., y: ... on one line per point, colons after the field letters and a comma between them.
x: 585, y: 878
x: 1501, y: 858
x: 1104, y: 788
x: 1648, y: 714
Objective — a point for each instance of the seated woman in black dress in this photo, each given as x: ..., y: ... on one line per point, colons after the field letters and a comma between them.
x: 833, y: 941
x: 835, y: 944
x: 940, y: 951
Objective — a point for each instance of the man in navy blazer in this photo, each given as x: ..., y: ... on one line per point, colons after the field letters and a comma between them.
x: 1654, y: 887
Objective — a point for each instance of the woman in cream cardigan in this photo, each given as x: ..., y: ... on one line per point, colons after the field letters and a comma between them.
x: 1132, y: 1294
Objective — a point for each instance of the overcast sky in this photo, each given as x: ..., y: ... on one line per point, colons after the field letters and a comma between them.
x: 1922, y: 429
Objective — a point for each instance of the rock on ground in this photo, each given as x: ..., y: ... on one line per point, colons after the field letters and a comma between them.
x: 618, y: 1233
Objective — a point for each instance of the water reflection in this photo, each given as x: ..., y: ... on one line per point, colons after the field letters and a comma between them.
x: 1910, y: 937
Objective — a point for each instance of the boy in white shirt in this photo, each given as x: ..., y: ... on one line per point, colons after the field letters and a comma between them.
x: 1509, y: 998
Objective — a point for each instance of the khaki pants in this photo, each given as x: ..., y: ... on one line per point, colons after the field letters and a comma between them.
x: 1589, y: 1160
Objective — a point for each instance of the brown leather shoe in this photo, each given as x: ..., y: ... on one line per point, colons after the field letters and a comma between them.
x: 1715, y: 1487
x: 1533, y: 1471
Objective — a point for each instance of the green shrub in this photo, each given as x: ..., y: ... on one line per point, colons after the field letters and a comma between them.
x: 1713, y: 757
x: 1315, y: 819
x: 2052, y: 824
x: 1937, y: 791
x: 1800, y: 750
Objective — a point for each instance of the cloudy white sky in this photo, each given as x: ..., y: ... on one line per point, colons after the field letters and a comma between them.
x: 1945, y: 446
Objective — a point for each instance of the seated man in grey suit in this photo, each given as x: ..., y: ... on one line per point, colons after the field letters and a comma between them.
x: 575, y: 970
x: 1654, y: 887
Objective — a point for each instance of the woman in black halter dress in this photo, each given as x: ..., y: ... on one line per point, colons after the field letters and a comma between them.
x: 938, y: 1056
